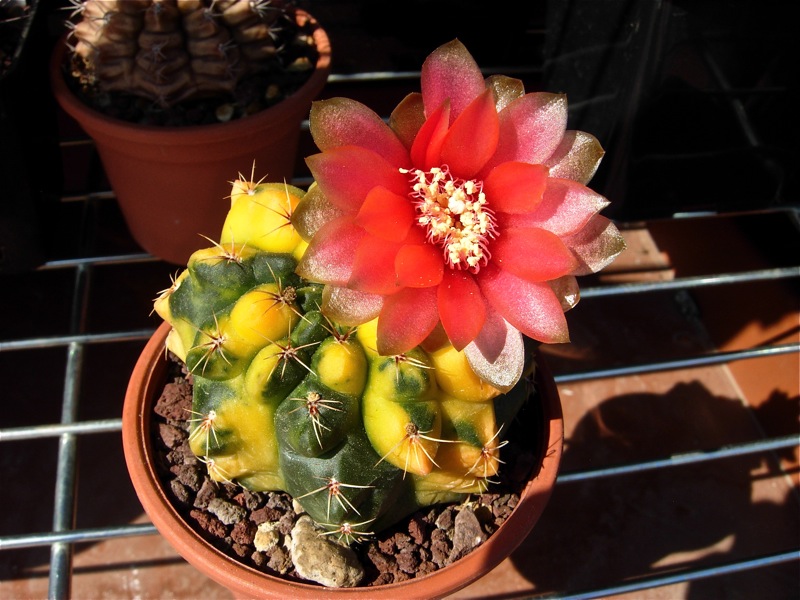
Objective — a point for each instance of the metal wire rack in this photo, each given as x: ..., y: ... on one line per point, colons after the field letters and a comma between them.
x: 69, y: 428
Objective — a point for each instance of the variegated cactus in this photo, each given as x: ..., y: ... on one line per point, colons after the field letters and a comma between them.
x: 287, y: 399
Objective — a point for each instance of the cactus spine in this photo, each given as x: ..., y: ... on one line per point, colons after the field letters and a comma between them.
x: 287, y: 399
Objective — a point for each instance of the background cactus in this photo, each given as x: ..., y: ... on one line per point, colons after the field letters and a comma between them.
x: 172, y: 51
x: 286, y: 399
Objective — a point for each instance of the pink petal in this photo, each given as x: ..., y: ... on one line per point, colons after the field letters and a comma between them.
x: 596, y: 245
x: 347, y: 174
x: 426, y: 149
x: 533, y: 308
x: 373, y: 266
x: 407, y: 118
x: 329, y: 257
x: 472, y: 138
x: 461, y: 307
x: 450, y: 73
x: 533, y: 254
x: 344, y: 122
x: 407, y: 318
x: 313, y: 212
x: 515, y: 187
x: 418, y: 265
x: 506, y: 90
x: 531, y: 128
x: 350, y: 307
x: 498, y: 353
x: 386, y: 215
x: 566, y: 207
x: 577, y: 157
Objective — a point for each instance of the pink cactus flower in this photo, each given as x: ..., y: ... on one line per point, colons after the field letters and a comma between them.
x: 467, y: 212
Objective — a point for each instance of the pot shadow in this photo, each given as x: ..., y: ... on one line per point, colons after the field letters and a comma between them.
x: 603, y: 531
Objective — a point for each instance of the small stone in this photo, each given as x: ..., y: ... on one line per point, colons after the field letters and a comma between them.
x: 297, y: 507
x: 225, y: 511
x: 170, y: 435
x: 445, y: 520
x: 266, y: 537
x: 319, y: 559
x: 225, y: 112
x: 265, y: 515
x: 467, y: 534
x: 180, y: 491
x: 206, y: 493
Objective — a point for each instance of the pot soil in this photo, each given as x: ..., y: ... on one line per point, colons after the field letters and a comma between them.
x: 172, y: 182
x: 427, y: 555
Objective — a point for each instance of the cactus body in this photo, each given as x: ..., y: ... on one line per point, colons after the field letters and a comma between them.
x: 287, y: 399
x: 169, y: 51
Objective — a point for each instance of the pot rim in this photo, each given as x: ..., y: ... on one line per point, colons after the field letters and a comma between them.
x: 285, y: 109
x: 146, y: 381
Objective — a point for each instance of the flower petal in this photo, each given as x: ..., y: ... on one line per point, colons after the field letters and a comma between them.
x: 345, y: 122
x: 531, y: 128
x: 461, y: 307
x: 386, y: 215
x: 407, y: 118
x: 596, y: 245
x: 406, y: 319
x: 533, y: 254
x: 472, y: 138
x: 566, y: 207
x: 350, y: 307
x: 347, y: 174
x: 418, y: 265
x: 426, y: 149
x: 330, y: 255
x: 567, y: 291
x: 373, y: 266
x: 313, y: 212
x: 506, y: 90
x: 498, y: 353
x: 515, y: 187
x: 577, y: 157
x: 531, y: 307
x: 450, y: 73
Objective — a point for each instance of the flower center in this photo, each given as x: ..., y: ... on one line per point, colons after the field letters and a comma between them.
x: 454, y: 213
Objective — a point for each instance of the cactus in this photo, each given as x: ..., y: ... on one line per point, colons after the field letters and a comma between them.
x: 168, y: 52
x: 287, y: 399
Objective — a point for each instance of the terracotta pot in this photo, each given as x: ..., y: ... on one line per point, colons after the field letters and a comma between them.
x: 172, y: 183
x: 146, y: 384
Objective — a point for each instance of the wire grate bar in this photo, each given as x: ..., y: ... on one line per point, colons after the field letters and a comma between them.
x: 75, y: 536
x: 81, y: 338
x: 690, y: 458
x: 714, y: 358
x: 680, y: 577
x: 691, y: 282
x: 13, y: 434
x: 118, y: 259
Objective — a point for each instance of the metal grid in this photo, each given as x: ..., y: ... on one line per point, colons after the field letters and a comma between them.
x: 63, y: 537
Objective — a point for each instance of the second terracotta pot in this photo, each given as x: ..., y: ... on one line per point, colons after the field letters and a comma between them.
x: 172, y: 182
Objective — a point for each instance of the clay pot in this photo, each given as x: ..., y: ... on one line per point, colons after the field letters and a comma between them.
x: 145, y: 386
x: 172, y: 182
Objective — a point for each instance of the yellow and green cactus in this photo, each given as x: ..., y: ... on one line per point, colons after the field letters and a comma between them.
x: 286, y: 398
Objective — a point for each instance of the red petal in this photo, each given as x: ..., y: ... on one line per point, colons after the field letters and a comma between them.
x: 329, y: 257
x: 506, y: 90
x: 515, y: 187
x: 461, y: 307
x: 533, y: 308
x: 533, y: 254
x: 426, y: 150
x: 373, y: 266
x: 407, y: 318
x: 313, y: 213
x: 531, y: 128
x: 472, y: 138
x: 450, y: 73
x: 347, y: 174
x: 596, y: 245
x: 386, y: 215
x: 498, y: 353
x: 418, y: 265
x: 350, y: 307
x: 344, y: 122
